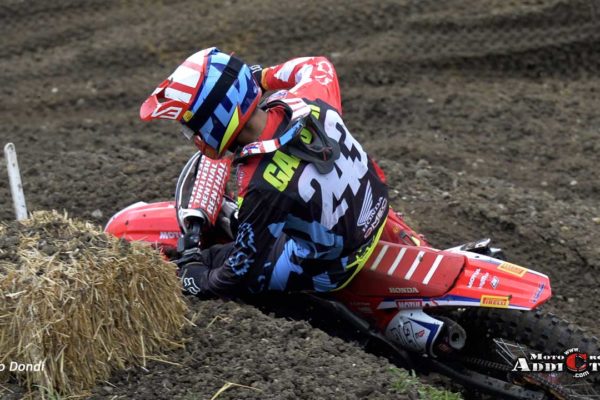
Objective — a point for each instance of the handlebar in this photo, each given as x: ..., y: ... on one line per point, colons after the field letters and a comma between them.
x: 192, y: 222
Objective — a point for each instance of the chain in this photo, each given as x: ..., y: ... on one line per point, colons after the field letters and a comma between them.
x: 486, y: 364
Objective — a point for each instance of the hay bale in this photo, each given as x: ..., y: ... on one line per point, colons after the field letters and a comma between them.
x: 81, y: 302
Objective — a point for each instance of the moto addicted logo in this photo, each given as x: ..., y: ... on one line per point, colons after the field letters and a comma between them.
x: 577, y: 362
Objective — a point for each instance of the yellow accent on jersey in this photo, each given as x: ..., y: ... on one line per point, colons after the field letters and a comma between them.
x: 316, y: 110
x: 306, y: 136
x: 281, y: 170
x: 361, y: 259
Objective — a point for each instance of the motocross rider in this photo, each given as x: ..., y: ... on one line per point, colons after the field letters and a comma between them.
x: 312, y: 203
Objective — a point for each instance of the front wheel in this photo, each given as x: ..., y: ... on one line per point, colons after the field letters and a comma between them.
x: 497, y: 338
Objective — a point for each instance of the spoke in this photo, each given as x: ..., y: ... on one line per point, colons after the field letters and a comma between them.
x: 507, y: 350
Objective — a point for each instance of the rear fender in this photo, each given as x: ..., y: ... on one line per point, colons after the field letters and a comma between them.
x: 489, y: 282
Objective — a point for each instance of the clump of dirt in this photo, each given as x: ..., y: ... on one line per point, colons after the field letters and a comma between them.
x: 270, y: 358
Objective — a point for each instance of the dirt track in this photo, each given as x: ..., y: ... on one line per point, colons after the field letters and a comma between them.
x: 484, y: 115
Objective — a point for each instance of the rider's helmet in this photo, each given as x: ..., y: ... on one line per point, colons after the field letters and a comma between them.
x: 212, y: 94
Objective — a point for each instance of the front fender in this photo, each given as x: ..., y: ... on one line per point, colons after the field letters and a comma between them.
x: 154, y: 223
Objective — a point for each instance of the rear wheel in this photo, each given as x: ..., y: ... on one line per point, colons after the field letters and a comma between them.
x: 496, y: 338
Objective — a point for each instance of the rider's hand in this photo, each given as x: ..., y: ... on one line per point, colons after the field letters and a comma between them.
x: 193, y: 254
x: 194, y: 276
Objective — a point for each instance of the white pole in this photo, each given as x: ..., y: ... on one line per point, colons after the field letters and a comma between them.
x: 14, y: 177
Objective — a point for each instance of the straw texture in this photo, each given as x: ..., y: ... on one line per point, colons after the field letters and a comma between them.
x: 81, y: 302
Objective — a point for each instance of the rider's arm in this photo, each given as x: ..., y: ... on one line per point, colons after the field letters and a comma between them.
x: 232, y: 264
x: 307, y: 77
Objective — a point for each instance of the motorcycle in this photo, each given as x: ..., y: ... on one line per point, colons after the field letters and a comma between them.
x: 464, y: 312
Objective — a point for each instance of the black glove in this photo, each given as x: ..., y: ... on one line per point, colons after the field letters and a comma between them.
x: 190, y: 255
x: 194, y: 277
x: 257, y: 74
x: 203, y: 273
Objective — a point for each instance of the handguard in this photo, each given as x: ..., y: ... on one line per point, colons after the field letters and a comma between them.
x: 199, y: 197
x: 209, y: 187
x: 208, y: 190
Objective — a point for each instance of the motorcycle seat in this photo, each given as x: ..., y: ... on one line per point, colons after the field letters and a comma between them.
x: 396, y: 270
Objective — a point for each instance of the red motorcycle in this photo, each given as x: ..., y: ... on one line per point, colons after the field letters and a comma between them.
x: 463, y: 312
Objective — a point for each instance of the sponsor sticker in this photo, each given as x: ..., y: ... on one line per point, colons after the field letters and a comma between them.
x: 512, y: 269
x: 495, y: 301
x: 538, y: 293
x: 473, y: 277
x: 168, y: 235
x: 370, y: 215
x: 402, y: 304
x: 483, y: 279
x: 494, y: 282
x: 280, y: 171
x: 167, y: 113
x: 402, y: 290
x: 209, y: 187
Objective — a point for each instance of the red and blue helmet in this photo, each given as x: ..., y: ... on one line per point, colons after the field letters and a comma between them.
x: 212, y: 94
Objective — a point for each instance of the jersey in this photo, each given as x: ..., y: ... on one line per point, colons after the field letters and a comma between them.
x: 300, y: 229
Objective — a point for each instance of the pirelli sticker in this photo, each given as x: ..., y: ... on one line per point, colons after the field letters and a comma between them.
x: 495, y: 301
x: 512, y: 269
